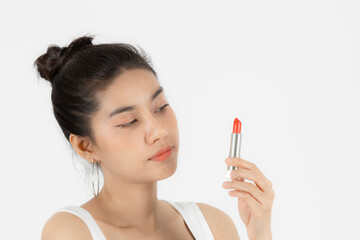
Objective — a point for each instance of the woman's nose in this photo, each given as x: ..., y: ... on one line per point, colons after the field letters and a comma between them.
x: 155, y: 129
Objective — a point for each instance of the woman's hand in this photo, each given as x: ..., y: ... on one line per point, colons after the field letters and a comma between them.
x: 254, y: 201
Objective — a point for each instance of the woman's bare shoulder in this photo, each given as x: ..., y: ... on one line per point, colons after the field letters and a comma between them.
x: 220, y: 223
x: 65, y: 225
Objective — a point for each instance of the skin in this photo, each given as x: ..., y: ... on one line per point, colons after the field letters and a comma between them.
x: 128, y: 198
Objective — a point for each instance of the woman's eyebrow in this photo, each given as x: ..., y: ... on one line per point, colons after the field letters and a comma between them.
x: 129, y: 108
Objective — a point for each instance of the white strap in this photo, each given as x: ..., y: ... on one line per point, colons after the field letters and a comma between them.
x: 194, y: 219
x: 82, y: 213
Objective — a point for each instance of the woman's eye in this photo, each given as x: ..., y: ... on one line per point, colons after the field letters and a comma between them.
x: 163, y: 107
x: 132, y: 122
x: 128, y: 124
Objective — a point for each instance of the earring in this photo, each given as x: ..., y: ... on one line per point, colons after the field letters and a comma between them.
x: 92, y: 177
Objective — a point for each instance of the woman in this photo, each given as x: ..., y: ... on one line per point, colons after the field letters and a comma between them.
x: 111, y: 108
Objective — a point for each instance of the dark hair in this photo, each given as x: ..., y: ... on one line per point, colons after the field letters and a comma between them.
x: 79, y: 73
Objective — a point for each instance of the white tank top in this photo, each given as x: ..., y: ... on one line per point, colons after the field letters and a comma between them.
x: 190, y: 212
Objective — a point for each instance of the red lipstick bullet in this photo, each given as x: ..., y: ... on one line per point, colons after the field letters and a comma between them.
x: 235, y: 145
x: 237, y: 126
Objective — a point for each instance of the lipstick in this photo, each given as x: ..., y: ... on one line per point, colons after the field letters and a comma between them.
x: 235, y: 145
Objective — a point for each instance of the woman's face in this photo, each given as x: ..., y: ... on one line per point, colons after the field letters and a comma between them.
x: 124, y: 152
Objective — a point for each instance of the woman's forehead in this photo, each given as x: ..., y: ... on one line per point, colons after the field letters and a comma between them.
x: 130, y: 90
x: 132, y: 83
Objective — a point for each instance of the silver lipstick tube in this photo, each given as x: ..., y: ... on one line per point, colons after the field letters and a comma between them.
x: 235, y: 146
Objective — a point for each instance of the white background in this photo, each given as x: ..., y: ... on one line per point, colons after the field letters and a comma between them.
x: 289, y: 70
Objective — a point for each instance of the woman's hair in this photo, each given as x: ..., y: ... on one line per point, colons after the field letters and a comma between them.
x: 79, y: 73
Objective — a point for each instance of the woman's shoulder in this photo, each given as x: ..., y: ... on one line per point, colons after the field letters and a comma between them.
x: 220, y: 223
x: 65, y: 225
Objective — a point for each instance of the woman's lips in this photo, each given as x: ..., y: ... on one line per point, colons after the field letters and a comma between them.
x: 162, y: 154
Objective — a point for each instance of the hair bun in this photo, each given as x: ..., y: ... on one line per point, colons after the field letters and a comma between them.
x: 50, y: 63
x: 61, y: 51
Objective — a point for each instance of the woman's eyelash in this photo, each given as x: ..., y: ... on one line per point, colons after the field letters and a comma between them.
x: 163, y: 107
x: 132, y: 122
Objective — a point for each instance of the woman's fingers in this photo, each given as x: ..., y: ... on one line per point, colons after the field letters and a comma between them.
x: 250, y: 171
x: 254, y: 200
x: 246, y: 188
x: 234, y: 161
